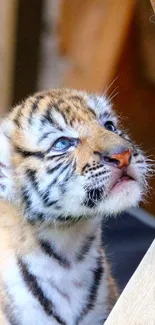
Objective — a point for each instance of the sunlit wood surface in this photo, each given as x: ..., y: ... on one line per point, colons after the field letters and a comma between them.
x: 136, y: 305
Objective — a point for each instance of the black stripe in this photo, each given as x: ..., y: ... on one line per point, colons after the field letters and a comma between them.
x: 27, y: 154
x: 85, y: 167
x: 135, y: 154
x: 46, y: 201
x: 57, y: 207
x: 45, y: 198
x: 74, y: 165
x: 92, y: 111
x: 65, y: 180
x: 69, y: 219
x: 48, y: 117
x: 139, y: 161
x: 26, y: 197
x: 104, y: 115
x: 44, y: 136
x: 10, y: 313
x: 64, y: 219
x: 51, y: 170
x: 84, y: 250
x: 34, y: 107
x: 64, y: 117
x: 33, y: 217
x: 12, y: 320
x: 32, y: 283
x: 65, y: 295
x: 56, y: 107
x: 93, y: 197
x: 91, y: 300
x: 76, y: 98
x: 60, y: 101
x: 55, y: 156
x: 18, y: 115
x: 64, y: 168
x: 72, y: 121
x: 50, y: 251
x: 54, y: 181
x: 68, y: 109
x: 31, y: 174
x: 36, y: 217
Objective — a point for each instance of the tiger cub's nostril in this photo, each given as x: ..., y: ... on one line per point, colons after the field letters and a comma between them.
x: 119, y: 160
x: 111, y: 161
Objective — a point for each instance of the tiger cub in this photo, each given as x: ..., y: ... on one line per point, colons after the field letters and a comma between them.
x: 65, y: 164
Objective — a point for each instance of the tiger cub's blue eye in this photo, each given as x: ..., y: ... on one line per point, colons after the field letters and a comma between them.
x: 62, y: 144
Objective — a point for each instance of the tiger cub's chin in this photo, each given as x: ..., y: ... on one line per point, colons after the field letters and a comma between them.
x: 63, y: 158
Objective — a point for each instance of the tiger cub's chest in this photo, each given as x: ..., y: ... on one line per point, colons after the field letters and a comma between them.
x: 50, y: 291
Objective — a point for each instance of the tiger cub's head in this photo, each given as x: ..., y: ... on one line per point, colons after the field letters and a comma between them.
x: 66, y: 157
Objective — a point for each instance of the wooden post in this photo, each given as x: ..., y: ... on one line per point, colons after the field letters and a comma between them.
x: 95, y: 61
x: 26, y: 66
x: 8, y: 11
x: 136, y: 305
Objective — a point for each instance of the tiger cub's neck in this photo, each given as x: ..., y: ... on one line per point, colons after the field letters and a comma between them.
x: 73, y: 241
x: 70, y: 241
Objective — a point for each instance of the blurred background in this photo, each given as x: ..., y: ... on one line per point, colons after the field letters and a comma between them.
x: 105, y: 46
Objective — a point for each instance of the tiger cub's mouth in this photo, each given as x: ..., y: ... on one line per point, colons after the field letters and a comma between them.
x: 119, y: 182
x: 123, y: 179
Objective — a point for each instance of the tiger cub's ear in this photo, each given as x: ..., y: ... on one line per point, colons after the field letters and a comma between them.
x: 6, y: 179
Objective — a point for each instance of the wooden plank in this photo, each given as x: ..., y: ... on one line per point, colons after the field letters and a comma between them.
x: 8, y: 10
x: 73, y: 22
x: 86, y: 32
x: 67, y: 21
x: 100, y: 66
x: 26, y: 67
x: 136, y: 305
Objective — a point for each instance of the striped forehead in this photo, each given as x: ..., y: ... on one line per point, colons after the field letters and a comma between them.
x: 62, y: 111
x: 73, y: 110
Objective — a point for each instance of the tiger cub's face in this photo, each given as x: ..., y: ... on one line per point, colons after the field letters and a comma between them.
x: 70, y: 159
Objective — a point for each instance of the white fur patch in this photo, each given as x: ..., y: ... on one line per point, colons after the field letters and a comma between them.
x: 6, y: 175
